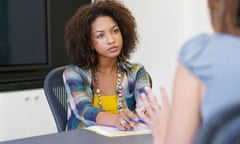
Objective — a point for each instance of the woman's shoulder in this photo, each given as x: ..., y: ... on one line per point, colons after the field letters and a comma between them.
x: 194, y: 46
x: 196, y: 55
x: 75, y: 70
x: 205, y: 45
x: 132, y: 66
x: 71, y: 68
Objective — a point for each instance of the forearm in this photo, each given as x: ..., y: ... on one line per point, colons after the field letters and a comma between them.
x: 159, y: 138
x: 104, y: 118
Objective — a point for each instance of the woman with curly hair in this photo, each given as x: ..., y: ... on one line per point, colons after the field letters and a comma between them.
x: 103, y: 87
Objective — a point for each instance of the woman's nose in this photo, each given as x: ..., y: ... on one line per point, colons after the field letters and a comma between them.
x: 110, y: 38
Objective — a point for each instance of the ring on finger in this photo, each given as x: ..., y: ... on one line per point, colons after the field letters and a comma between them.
x: 122, y: 122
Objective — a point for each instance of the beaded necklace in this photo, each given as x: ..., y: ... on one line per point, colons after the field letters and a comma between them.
x: 118, y: 90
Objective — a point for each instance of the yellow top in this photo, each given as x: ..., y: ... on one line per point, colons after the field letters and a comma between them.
x: 109, y: 103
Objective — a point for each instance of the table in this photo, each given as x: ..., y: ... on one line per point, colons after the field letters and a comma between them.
x: 82, y: 136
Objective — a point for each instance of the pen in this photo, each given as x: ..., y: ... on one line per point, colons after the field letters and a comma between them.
x: 139, y: 120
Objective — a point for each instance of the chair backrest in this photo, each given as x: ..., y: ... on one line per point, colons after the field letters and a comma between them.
x: 56, y: 96
x: 222, y: 128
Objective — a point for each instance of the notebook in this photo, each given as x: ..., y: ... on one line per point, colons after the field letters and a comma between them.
x: 114, y: 132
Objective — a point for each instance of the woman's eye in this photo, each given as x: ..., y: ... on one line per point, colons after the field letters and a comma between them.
x: 115, y: 30
x: 100, y: 36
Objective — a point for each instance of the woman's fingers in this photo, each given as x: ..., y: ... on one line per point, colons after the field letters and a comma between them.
x: 164, y: 96
x: 150, y: 95
x: 150, y: 102
x: 127, y: 120
x: 151, y: 105
x: 143, y: 113
x: 143, y: 116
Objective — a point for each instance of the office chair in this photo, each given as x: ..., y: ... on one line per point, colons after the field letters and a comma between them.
x: 56, y: 96
x: 222, y: 128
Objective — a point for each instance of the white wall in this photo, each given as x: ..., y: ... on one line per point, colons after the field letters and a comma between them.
x: 195, y: 18
x: 2, y: 106
x: 163, y: 27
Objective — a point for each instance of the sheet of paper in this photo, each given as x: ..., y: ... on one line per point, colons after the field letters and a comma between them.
x: 114, y: 132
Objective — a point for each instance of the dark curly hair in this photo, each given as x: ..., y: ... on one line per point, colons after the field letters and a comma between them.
x: 78, y: 31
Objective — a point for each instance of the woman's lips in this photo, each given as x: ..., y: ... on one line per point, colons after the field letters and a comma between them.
x: 112, y: 49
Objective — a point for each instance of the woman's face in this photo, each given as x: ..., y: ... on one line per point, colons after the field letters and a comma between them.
x: 106, y: 37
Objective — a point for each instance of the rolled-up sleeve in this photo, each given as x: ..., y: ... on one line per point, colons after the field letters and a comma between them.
x: 81, y: 112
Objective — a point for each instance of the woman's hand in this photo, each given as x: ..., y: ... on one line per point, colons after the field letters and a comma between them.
x: 156, y: 117
x: 126, y: 120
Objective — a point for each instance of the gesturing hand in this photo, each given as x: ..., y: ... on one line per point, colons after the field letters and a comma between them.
x: 156, y: 117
